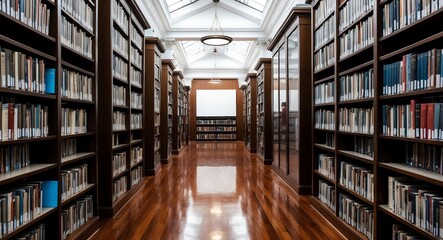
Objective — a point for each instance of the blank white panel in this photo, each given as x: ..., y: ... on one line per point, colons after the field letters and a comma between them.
x: 216, y: 102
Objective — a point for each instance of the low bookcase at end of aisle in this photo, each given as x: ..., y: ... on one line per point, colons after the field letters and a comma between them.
x: 216, y: 128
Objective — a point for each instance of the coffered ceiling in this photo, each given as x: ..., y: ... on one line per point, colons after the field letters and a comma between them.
x: 181, y: 24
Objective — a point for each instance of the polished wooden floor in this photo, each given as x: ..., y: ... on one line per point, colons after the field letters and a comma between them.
x: 216, y: 191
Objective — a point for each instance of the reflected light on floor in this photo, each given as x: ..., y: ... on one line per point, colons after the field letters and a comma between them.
x: 216, y: 210
x: 216, y: 235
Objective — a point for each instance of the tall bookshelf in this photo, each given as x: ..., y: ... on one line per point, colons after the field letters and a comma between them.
x: 292, y: 90
x: 392, y: 78
x: 35, y: 58
x: 264, y: 110
x: 244, y: 100
x: 179, y: 111
x: 121, y: 99
x: 251, y: 113
x: 153, y: 65
x: 186, y: 100
x: 166, y: 110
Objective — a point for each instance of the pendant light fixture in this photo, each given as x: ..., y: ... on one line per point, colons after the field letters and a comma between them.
x: 216, y: 38
x: 215, y: 79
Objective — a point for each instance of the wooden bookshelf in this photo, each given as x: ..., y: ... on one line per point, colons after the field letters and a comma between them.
x: 264, y: 110
x: 153, y: 50
x: 245, y: 125
x: 121, y: 103
x: 26, y: 46
x: 216, y: 128
x: 166, y: 110
x: 179, y: 113
x: 292, y: 89
x: 186, y: 111
x: 251, y: 113
x: 393, y: 154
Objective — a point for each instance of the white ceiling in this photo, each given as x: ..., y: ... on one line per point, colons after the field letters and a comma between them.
x: 181, y: 24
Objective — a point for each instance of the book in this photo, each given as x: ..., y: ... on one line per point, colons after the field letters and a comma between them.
x: 49, y: 194
x: 50, y: 80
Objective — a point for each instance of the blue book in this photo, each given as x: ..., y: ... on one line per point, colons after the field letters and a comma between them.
x: 436, y: 121
x: 50, y: 80
x: 49, y: 194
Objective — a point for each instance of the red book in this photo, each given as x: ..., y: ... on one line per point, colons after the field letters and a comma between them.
x: 10, y: 121
x: 423, y: 120
x: 430, y: 122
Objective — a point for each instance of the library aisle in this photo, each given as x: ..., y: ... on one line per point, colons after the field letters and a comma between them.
x: 216, y: 190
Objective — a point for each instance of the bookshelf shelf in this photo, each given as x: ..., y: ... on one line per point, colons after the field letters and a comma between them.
x: 324, y: 147
x: 77, y: 23
x: 27, y: 140
x: 324, y: 20
x: 324, y: 69
x: 324, y: 45
x: 225, y: 125
x: 326, y: 79
x: 118, y: 79
x: 88, y: 188
x: 32, y: 169
x: 356, y: 101
x: 84, y: 102
x: 116, y: 176
x: 357, y: 156
x: 70, y: 51
x: 355, y: 194
x: 418, y: 93
x: 121, y: 55
x: 27, y: 49
x: 78, y: 135
x: 385, y: 209
x: 77, y: 157
x: 356, y: 68
x: 85, y: 230
x: 414, y: 172
x: 78, y: 69
x: 324, y: 130
x: 356, y: 21
x: 332, y: 181
x: 13, y: 23
x: 27, y: 94
x: 133, y: 142
x: 356, y: 53
x: 323, y: 105
x: 414, y: 140
x: 355, y: 134
x: 120, y: 146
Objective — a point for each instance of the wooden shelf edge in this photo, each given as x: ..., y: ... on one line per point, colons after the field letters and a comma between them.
x: 31, y: 169
x: 86, y: 230
x: 421, y: 174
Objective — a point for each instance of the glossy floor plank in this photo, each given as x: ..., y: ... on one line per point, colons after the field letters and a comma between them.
x: 216, y: 191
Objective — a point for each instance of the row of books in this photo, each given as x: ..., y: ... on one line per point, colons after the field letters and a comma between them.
x: 118, y: 163
x: 414, y: 120
x: 218, y: 128
x: 74, y: 121
x: 416, y: 202
x: 120, y: 43
x: 75, y: 215
x: 358, y: 85
x: 37, y: 232
x: 25, y: 202
x: 136, y: 100
x: 398, y: 14
x: 324, y: 93
x: 75, y: 85
x: 136, y: 57
x: 364, y: 145
x: 424, y: 156
x: 326, y: 165
x: 119, y: 187
x: 74, y: 180
x: 352, y: 10
x: 356, y: 120
x: 218, y: 121
x: 324, y: 33
x: 119, y: 121
x: 119, y: 67
x: 329, y: 139
x: 22, y: 120
x: 25, y: 73
x: 400, y: 232
x: 136, y: 155
x: 326, y: 194
x: 14, y: 157
x: 80, y: 11
x: 324, y: 119
x: 136, y: 121
x: 210, y: 136
x: 359, y: 216
x: 35, y: 14
x: 324, y: 57
x: 136, y: 175
x: 121, y: 17
x: 137, y: 37
x: 357, y: 179
x: 416, y: 71
x: 68, y: 147
x: 119, y: 95
x: 323, y: 10
x: 75, y: 38
x: 136, y: 77
x: 356, y: 38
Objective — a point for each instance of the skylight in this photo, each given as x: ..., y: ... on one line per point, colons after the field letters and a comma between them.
x: 174, y: 5
x: 258, y: 5
x: 238, y: 49
x: 193, y: 49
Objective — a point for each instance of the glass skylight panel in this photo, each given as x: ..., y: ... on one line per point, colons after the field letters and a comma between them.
x: 174, y: 5
x: 193, y: 50
x: 238, y: 49
x: 258, y: 5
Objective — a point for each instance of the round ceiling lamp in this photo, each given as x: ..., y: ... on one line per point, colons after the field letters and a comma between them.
x: 217, y: 38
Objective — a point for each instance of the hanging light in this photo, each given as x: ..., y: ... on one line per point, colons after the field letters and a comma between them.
x: 215, y: 79
x: 218, y: 38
